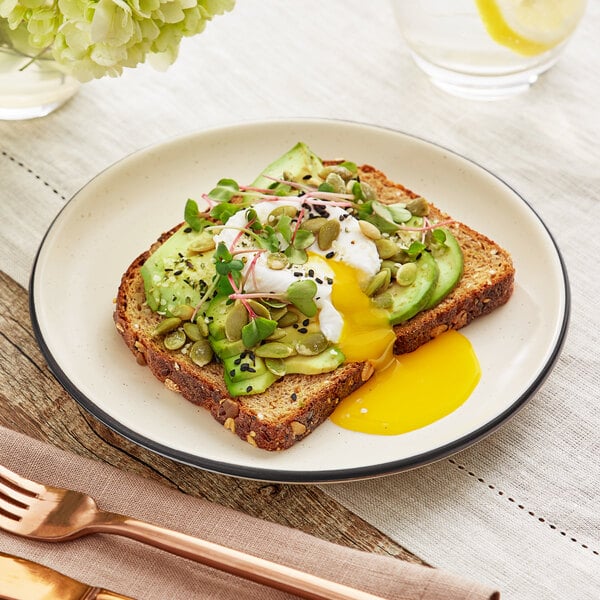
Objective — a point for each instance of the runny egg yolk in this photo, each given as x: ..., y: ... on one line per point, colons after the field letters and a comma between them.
x: 367, y: 333
x: 406, y: 392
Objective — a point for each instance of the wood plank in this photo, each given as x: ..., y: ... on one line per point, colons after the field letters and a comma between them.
x: 34, y: 403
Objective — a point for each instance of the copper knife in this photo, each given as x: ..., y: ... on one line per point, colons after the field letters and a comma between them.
x: 22, y: 579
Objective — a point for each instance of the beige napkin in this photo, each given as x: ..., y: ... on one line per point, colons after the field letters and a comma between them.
x: 145, y: 573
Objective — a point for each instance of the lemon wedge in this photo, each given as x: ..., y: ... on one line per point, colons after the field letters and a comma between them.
x: 530, y: 27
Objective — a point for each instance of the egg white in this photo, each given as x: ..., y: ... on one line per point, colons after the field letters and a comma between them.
x: 351, y: 247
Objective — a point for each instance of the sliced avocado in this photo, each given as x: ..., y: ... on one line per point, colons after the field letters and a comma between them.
x: 300, y: 161
x: 223, y: 348
x: 174, y: 274
x: 216, y: 312
x: 247, y: 374
x: 251, y: 385
x: 449, y: 258
x: 404, y: 302
x: 244, y: 366
x: 326, y: 361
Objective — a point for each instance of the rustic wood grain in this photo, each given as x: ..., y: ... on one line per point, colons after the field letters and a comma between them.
x: 34, y: 403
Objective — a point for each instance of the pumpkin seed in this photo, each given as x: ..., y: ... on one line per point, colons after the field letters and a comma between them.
x: 343, y: 172
x: 391, y: 265
x: 386, y: 248
x: 399, y: 213
x: 274, y: 350
x: 201, y: 353
x: 419, y: 207
x: 288, y: 319
x: 260, y: 309
x: 328, y: 233
x: 378, y: 281
x: 193, y: 331
x: 183, y: 311
x: 406, y: 274
x: 276, y: 366
x: 203, y: 243
x: 384, y: 300
x: 278, y: 212
x: 369, y: 230
x: 166, y: 325
x: 277, y: 313
x: 314, y: 224
x: 175, y: 340
x: 311, y: 344
x: 277, y: 261
x: 236, y: 318
x: 277, y: 334
x: 336, y: 182
x: 202, y: 326
x: 368, y: 192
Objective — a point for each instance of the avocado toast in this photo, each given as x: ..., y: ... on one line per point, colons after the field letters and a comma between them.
x: 233, y: 308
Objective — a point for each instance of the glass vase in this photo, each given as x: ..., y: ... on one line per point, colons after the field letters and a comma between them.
x: 31, y: 86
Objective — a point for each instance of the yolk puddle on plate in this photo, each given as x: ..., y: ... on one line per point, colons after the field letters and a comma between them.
x: 408, y: 391
x: 415, y: 390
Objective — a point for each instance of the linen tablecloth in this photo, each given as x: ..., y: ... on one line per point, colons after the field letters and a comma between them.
x: 518, y: 510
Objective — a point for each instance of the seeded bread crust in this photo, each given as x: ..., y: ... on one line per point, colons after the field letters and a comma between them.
x: 295, y: 405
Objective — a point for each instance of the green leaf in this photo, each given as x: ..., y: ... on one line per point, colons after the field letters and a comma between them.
x: 364, y: 210
x: 301, y: 294
x: 225, y: 190
x: 357, y: 191
x: 415, y: 249
x: 222, y: 212
x: 303, y: 239
x: 257, y: 330
x: 222, y: 253
x: 284, y: 227
x: 269, y: 239
x: 439, y: 236
x: 295, y: 255
x: 350, y: 166
x: 192, y: 216
x: 326, y: 187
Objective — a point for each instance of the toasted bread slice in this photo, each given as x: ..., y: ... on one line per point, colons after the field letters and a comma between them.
x: 296, y: 404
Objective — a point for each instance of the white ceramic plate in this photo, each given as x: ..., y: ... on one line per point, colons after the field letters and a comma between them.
x: 122, y: 211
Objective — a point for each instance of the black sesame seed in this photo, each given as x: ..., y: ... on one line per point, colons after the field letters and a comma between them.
x: 330, y: 281
x: 330, y: 255
x: 294, y: 396
x: 311, y: 272
x: 297, y: 274
x: 187, y: 230
x: 318, y: 280
x: 178, y: 272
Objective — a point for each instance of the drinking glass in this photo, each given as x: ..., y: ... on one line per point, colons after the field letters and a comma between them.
x: 486, y: 49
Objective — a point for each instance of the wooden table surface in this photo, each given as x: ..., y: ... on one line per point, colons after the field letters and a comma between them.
x: 34, y: 403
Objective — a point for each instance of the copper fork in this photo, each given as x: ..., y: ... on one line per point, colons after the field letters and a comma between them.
x: 43, y: 512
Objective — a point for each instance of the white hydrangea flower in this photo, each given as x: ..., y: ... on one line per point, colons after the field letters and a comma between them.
x: 97, y: 38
